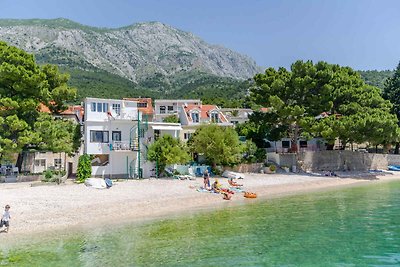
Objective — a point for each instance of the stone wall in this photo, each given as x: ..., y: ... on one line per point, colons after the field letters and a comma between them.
x: 393, y: 159
x: 253, y: 167
x: 344, y: 160
x: 20, y: 178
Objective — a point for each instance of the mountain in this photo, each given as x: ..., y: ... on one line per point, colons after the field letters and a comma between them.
x: 140, y: 53
x: 376, y: 77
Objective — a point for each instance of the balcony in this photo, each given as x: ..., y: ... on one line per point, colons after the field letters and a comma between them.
x: 124, y: 145
x: 125, y: 114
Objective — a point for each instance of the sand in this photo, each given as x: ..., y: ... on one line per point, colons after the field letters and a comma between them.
x: 38, y: 209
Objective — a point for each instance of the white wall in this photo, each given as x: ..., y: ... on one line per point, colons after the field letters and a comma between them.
x: 110, y: 126
x: 127, y: 107
x: 118, y: 166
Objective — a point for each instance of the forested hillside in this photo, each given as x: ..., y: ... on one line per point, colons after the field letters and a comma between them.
x: 376, y: 77
x: 212, y: 89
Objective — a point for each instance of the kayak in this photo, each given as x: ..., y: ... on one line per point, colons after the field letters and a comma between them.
x: 250, y: 195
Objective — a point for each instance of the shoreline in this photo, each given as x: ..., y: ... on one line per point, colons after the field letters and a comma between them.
x: 45, y: 210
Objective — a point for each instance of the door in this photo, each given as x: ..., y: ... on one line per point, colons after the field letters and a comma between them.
x: 70, y: 165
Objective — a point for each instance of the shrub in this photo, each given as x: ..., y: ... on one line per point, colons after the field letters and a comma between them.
x: 84, y: 168
x: 48, y: 174
x: 272, y: 168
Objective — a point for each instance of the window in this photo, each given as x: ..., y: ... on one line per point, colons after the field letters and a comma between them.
x: 99, y: 107
x: 142, y: 105
x: 99, y: 136
x: 303, y: 143
x: 117, y: 108
x: 187, y: 136
x: 105, y: 107
x: 170, y: 108
x: 142, y: 131
x: 195, y: 116
x: 40, y: 162
x: 57, y: 163
x: 162, y: 109
x: 116, y: 135
x: 214, y: 117
x: 285, y: 144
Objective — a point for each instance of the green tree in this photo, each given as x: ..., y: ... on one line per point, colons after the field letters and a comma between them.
x: 171, y: 119
x: 219, y: 145
x: 167, y: 150
x: 392, y: 93
x: 355, y: 112
x: 23, y: 87
x: 262, y: 126
x: 249, y: 151
x: 57, y: 135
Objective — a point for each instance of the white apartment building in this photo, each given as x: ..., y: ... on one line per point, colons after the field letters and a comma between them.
x: 118, y: 138
x: 112, y: 135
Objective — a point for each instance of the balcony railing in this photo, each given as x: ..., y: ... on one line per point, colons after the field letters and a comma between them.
x: 125, y: 114
x: 124, y: 145
x: 120, y: 146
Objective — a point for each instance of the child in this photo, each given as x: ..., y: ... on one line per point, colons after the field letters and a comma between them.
x: 5, y: 220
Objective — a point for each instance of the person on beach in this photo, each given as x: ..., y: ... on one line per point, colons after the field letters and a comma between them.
x: 233, y: 183
x: 227, y: 195
x: 206, y: 180
x: 216, y: 187
x: 5, y: 219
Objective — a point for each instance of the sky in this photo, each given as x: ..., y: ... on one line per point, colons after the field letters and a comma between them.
x: 362, y: 34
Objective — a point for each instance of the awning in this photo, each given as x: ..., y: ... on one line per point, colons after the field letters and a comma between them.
x: 166, y: 127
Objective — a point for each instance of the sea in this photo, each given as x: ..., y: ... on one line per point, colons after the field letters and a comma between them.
x: 357, y: 226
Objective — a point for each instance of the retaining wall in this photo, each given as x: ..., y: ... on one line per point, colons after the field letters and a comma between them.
x: 344, y: 160
x: 253, y: 167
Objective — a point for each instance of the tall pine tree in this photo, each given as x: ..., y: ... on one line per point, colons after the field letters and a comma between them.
x: 391, y: 92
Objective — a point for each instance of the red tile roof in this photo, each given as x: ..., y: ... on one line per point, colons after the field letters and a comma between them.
x: 71, y: 110
x: 205, y: 111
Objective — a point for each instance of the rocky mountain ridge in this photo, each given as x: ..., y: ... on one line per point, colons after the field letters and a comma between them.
x: 135, y: 52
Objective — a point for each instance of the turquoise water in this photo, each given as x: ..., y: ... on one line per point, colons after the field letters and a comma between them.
x: 351, y: 227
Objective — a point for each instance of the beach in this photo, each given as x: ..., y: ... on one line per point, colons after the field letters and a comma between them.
x: 39, y: 209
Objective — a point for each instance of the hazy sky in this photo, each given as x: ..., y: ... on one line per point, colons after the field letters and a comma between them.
x: 363, y: 34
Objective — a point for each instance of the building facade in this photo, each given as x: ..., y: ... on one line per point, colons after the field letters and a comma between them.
x: 167, y: 107
x: 113, y: 137
x: 192, y: 116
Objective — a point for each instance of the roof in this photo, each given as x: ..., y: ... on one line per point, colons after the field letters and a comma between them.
x: 205, y: 111
x: 166, y: 127
x: 77, y: 110
x: 44, y: 108
x: 177, y: 100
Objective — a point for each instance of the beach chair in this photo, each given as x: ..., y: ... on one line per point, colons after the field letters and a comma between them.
x: 170, y: 173
x: 190, y: 175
